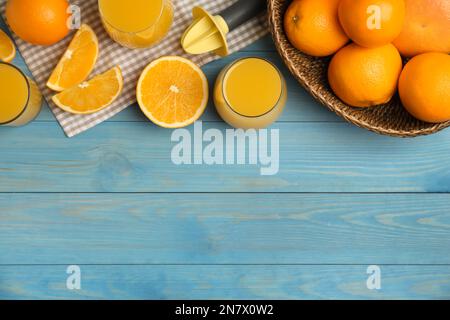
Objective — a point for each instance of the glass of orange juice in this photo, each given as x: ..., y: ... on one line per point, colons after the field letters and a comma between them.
x: 136, y: 23
x: 250, y: 93
x: 20, y: 99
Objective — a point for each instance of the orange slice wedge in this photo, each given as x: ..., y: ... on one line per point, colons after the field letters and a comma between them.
x: 93, y: 95
x: 7, y: 48
x: 77, y: 62
x: 172, y: 92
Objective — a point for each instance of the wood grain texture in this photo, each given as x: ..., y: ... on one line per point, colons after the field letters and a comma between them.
x: 314, y: 157
x: 224, y: 229
x: 225, y: 282
x: 275, y: 237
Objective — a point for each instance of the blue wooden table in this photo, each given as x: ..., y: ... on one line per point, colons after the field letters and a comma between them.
x: 112, y: 202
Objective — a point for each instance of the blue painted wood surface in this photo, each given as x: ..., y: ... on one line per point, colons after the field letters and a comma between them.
x: 112, y: 202
x: 225, y: 282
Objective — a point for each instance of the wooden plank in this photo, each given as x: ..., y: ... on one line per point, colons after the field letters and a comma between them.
x: 314, y: 157
x: 225, y: 282
x: 224, y: 229
x: 265, y: 44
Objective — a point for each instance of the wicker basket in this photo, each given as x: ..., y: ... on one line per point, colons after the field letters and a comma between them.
x: 389, y: 119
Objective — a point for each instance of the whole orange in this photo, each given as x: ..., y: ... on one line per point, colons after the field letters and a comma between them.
x: 424, y: 87
x: 40, y: 22
x: 372, y: 23
x: 312, y: 26
x: 426, y: 29
x: 365, y: 77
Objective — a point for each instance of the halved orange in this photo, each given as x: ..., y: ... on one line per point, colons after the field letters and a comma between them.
x: 77, y: 62
x: 7, y: 48
x: 93, y: 95
x: 172, y: 92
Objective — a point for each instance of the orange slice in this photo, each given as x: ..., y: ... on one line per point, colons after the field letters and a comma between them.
x: 93, y: 95
x: 77, y: 62
x: 172, y: 92
x: 7, y: 48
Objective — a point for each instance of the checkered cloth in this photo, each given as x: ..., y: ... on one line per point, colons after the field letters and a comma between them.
x: 42, y: 60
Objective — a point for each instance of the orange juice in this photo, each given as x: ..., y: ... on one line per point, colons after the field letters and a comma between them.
x: 20, y: 99
x: 136, y: 23
x: 250, y: 93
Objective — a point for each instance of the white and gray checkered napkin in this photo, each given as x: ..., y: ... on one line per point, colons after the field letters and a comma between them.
x: 42, y: 60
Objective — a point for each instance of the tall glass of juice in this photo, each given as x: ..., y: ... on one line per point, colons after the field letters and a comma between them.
x: 20, y: 99
x: 250, y: 93
x: 136, y: 23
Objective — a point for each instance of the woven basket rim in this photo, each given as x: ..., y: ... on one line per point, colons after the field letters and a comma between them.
x: 282, y: 45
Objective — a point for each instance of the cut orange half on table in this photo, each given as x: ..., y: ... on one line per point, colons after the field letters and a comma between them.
x: 93, y: 95
x: 7, y: 48
x: 172, y: 92
x: 77, y: 62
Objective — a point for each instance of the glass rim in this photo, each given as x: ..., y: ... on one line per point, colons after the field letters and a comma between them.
x: 28, y: 93
x: 225, y: 73
x: 102, y: 16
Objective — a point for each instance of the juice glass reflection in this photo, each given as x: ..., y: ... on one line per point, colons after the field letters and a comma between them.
x: 250, y: 93
x: 20, y: 99
x: 136, y: 23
